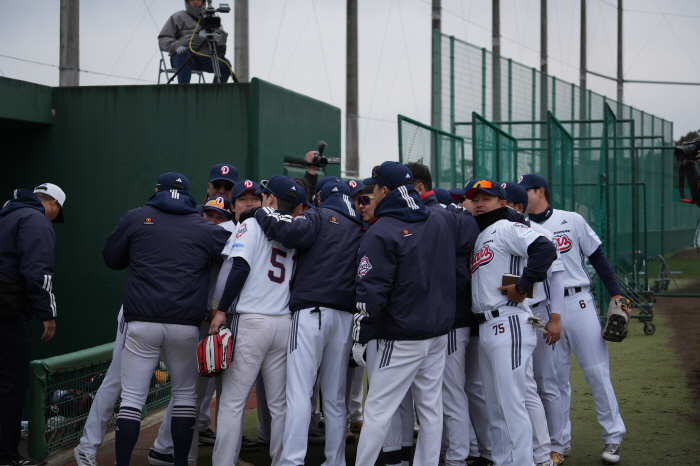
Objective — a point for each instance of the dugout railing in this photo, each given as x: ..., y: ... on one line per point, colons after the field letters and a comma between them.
x: 61, y: 391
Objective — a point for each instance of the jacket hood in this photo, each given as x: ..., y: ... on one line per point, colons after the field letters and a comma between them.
x: 178, y: 202
x: 192, y: 10
x: 342, y: 204
x: 403, y: 204
x: 23, y: 198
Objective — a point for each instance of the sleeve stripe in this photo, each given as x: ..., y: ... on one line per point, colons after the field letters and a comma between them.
x: 48, y: 286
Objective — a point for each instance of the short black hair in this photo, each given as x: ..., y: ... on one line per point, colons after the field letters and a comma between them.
x: 307, y: 187
x: 44, y: 197
x: 283, y: 204
x: 368, y: 189
x: 546, y: 193
x: 421, y: 174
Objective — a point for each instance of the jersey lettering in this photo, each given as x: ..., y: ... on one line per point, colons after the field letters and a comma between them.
x: 563, y: 243
x: 482, y: 257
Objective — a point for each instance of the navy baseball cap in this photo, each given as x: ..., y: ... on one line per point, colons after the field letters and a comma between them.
x: 283, y: 187
x: 516, y: 193
x: 533, y: 181
x: 172, y: 180
x: 302, y: 197
x: 223, y: 171
x: 355, y: 187
x: 457, y: 193
x: 243, y: 187
x: 323, y: 181
x: 487, y: 186
x: 219, y: 204
x: 390, y: 174
x: 443, y: 196
x: 334, y: 187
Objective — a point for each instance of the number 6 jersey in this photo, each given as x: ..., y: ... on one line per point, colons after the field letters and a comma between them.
x: 267, y: 289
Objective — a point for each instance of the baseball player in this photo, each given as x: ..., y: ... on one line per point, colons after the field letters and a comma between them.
x: 222, y: 178
x: 580, y: 327
x: 255, y: 284
x: 405, y: 288
x: 321, y: 303
x: 355, y: 187
x: 167, y: 248
x: 541, y: 389
x: 507, y: 339
x: 454, y: 398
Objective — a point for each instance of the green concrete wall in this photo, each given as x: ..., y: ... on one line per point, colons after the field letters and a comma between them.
x: 106, y: 146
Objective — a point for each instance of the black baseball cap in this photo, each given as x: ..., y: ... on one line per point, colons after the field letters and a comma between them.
x: 516, y: 193
x: 172, y: 180
x: 391, y: 174
x: 533, y: 181
x: 223, y: 171
x: 282, y: 187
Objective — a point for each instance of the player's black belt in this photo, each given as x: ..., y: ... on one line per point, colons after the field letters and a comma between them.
x: 481, y: 317
x: 577, y: 289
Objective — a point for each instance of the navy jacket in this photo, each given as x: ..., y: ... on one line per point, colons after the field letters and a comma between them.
x: 27, y: 256
x: 405, y: 281
x: 167, y: 247
x: 326, y: 240
x: 463, y: 306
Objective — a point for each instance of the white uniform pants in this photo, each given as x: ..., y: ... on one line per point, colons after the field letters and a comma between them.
x: 106, y: 398
x: 319, y: 343
x: 261, y: 346
x: 580, y: 333
x: 400, y: 365
x: 455, y: 404
x: 354, y: 393
x: 204, y: 389
x: 544, y: 365
x: 506, y: 346
x: 541, y: 446
x: 474, y: 387
x: 146, y: 342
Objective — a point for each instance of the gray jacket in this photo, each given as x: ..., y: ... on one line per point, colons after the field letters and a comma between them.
x: 179, y: 28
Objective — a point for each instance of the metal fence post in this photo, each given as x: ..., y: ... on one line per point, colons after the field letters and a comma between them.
x: 452, y: 84
x: 510, y: 90
x: 37, y: 445
x: 483, y: 81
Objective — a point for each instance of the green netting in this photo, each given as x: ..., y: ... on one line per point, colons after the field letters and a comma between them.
x: 441, y: 151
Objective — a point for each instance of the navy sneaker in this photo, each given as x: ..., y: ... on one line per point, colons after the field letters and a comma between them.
x: 160, y: 459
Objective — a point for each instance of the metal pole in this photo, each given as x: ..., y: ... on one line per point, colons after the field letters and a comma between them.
x: 240, y: 39
x: 69, y: 65
x: 352, y: 162
x: 582, y: 72
x: 619, y: 54
x: 435, y: 61
x: 543, y: 60
x: 496, y: 57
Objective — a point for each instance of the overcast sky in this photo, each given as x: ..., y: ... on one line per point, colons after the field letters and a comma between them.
x: 300, y: 45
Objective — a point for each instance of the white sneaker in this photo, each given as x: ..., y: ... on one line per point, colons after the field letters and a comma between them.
x: 567, y: 450
x: 84, y: 459
x: 611, y: 453
x: 549, y: 462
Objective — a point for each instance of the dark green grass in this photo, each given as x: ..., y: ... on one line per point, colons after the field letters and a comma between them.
x: 652, y: 393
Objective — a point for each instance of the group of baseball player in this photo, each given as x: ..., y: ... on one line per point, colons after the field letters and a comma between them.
x: 293, y: 285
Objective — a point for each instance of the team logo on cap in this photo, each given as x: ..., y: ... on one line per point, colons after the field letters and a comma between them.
x: 503, y: 186
x: 482, y: 257
x: 248, y: 184
x: 149, y: 221
x: 520, y: 180
x: 364, y: 267
x: 224, y: 170
x: 352, y: 184
x: 406, y: 233
x: 179, y: 180
x: 564, y: 244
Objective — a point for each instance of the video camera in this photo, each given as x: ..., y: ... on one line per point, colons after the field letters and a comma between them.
x: 320, y: 160
x: 688, y: 171
x: 210, y: 22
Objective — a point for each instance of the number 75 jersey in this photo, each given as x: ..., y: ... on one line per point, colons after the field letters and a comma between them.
x: 267, y: 289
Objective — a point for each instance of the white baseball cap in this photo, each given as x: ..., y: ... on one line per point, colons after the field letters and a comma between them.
x: 57, y: 193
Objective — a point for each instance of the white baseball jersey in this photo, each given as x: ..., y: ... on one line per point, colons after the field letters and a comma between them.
x: 501, y: 248
x: 215, y: 269
x: 576, y: 240
x: 267, y: 289
x: 540, y: 291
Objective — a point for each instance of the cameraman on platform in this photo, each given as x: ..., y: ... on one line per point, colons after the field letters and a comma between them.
x: 183, y: 27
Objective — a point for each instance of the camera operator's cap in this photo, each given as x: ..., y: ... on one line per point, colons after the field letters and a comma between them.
x: 219, y: 204
x: 283, y: 187
x: 487, y: 186
x: 243, y: 187
x: 355, y: 187
x: 516, y: 193
x: 321, y: 183
x: 533, y: 181
x: 391, y: 174
x: 172, y: 180
x: 57, y: 193
x: 334, y: 187
x: 443, y: 196
x: 223, y: 171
